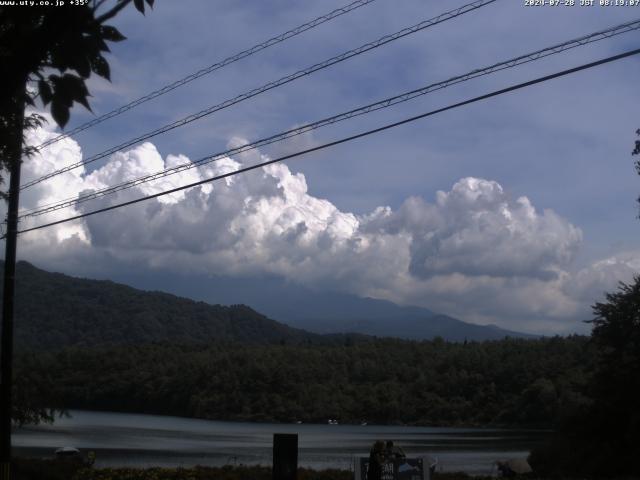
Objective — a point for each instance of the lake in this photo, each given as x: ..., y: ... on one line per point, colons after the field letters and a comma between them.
x: 150, y: 440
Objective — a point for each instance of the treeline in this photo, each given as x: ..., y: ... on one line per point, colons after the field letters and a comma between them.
x: 54, y: 311
x: 384, y: 381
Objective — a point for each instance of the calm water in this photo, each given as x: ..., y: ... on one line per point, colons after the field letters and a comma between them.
x: 149, y: 440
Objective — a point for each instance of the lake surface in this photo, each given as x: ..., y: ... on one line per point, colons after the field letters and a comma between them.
x: 149, y: 440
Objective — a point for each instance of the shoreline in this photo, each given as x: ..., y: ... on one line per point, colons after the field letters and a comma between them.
x: 34, y: 469
x: 143, y: 441
x: 471, y: 426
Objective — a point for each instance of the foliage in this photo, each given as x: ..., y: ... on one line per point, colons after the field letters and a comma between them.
x: 386, y: 381
x: 33, y: 400
x: 99, y: 345
x: 54, y: 51
x: 636, y: 151
x: 206, y: 473
x: 55, y: 311
x: 44, y: 469
x: 603, y: 438
x: 36, y: 469
x: 35, y: 40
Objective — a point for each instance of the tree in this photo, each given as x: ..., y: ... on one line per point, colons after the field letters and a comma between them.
x: 616, y: 381
x: 603, y: 438
x: 636, y: 151
x: 34, y: 400
x: 35, y: 42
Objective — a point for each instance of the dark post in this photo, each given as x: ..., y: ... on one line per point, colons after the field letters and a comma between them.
x: 285, y: 456
x: 6, y: 359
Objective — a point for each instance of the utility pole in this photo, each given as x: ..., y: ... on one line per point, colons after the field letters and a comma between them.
x: 6, y: 342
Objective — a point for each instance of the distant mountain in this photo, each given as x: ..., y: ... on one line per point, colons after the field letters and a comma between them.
x: 385, y: 319
x: 55, y: 310
x: 322, y: 312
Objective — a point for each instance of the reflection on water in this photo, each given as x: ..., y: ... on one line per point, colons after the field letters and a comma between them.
x: 149, y: 440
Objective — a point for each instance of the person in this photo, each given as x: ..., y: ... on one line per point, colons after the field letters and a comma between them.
x: 376, y: 459
x: 393, y: 452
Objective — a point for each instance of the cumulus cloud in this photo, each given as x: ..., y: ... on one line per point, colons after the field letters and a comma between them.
x: 590, y: 284
x: 477, y: 230
x: 474, y: 252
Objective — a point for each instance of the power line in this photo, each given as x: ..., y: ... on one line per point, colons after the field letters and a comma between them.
x: 443, y: 17
x: 211, y: 68
x: 593, y: 37
x: 522, y: 59
x: 345, y: 139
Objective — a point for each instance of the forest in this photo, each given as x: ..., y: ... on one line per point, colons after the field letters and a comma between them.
x: 54, y: 311
x: 384, y: 381
x: 97, y: 345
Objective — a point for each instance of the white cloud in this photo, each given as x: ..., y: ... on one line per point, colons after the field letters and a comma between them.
x: 475, y: 253
x: 591, y: 283
x: 477, y: 230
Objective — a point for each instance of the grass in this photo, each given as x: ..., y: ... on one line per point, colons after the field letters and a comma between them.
x: 37, y: 469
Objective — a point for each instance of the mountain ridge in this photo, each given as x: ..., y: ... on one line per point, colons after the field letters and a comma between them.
x: 54, y: 310
x: 323, y: 312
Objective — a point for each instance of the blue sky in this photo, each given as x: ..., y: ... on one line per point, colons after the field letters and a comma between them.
x: 587, y: 120
x: 564, y: 145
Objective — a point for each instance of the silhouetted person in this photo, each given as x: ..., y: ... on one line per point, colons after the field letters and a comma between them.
x: 376, y: 459
x: 392, y: 452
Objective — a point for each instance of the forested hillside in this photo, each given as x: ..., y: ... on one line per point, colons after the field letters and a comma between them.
x: 55, y: 311
x: 508, y: 382
x: 319, y: 311
x: 99, y: 345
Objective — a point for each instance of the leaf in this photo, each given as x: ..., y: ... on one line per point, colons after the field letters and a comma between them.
x: 111, y: 33
x: 81, y: 98
x: 81, y: 65
x: 57, y: 60
x: 139, y: 4
x: 102, y: 46
x: 85, y: 103
x: 60, y: 113
x: 101, y: 67
x: 34, y: 121
x: 77, y: 89
x: 68, y: 89
x: 45, y: 91
x: 62, y: 90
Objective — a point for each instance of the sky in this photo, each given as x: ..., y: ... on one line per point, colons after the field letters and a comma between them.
x: 518, y: 211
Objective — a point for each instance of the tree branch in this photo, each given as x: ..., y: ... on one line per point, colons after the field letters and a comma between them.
x: 97, y: 4
x: 113, y: 12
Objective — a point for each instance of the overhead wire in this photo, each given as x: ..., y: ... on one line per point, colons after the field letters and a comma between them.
x: 443, y: 17
x: 381, y: 104
x: 343, y: 140
x: 211, y: 68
